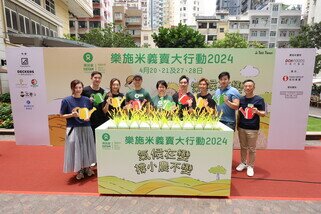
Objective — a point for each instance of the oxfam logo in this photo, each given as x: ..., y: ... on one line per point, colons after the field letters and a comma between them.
x: 88, y: 57
x: 105, y: 137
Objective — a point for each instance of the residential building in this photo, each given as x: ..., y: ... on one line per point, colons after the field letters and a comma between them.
x: 37, y: 23
x: 147, y: 39
x: 274, y: 24
x: 239, y: 24
x: 313, y: 11
x: 128, y: 19
x: 232, y: 6
x: 213, y: 27
x: 246, y: 5
x: 185, y: 12
x: 102, y: 16
x: 237, y: 7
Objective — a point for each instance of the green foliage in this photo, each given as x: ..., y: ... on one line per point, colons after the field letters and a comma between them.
x: 235, y: 40
x: 217, y: 170
x: 179, y: 37
x: 6, y: 120
x: 106, y: 37
x: 316, y: 90
x: 309, y: 37
x: 5, y: 98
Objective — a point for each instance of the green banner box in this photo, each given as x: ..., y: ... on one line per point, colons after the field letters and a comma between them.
x: 164, y: 162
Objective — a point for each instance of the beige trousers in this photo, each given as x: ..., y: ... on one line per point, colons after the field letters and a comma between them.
x: 248, y: 143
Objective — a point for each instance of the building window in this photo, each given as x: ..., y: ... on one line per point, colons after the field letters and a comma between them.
x: 210, y: 37
x: 284, y: 20
x: 27, y: 23
x: 145, y: 37
x: 221, y: 30
x: 212, y: 25
x: 94, y: 24
x: 254, y: 33
x: 82, y: 24
x: 50, y: 6
x: 202, y: 25
x: 22, y: 24
x: 96, y: 12
x: 275, y: 7
x: 273, y: 33
x: 283, y: 33
x: 271, y: 45
x: 222, y: 16
x: 134, y: 19
x: 71, y: 24
x: 293, y: 21
x: 255, y: 21
x: 118, y: 16
x: 37, y: 1
x: 274, y: 20
x: 291, y: 33
x: 96, y: 1
x: 8, y: 17
x: 35, y: 27
x: 263, y: 33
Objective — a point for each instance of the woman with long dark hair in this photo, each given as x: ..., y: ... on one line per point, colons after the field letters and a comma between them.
x: 114, y: 98
x: 80, y: 150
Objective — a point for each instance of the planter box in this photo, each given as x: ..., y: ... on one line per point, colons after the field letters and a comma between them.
x: 164, y: 161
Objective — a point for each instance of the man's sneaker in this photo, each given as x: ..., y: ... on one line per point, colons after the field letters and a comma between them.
x: 89, y: 172
x: 80, y: 175
x: 241, y: 167
x: 93, y: 164
x: 250, y: 171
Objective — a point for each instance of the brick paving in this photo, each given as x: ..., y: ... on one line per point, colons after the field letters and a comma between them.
x: 20, y: 203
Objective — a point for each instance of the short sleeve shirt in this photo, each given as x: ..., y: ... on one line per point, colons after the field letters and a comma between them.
x: 69, y: 103
x: 140, y: 95
x: 254, y: 123
x: 228, y: 113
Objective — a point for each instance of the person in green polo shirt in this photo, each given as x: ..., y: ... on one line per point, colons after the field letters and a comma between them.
x: 162, y: 100
x: 138, y: 97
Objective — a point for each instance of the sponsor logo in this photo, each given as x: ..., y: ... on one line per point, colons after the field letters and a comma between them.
x: 294, y: 61
x: 25, y: 72
x: 88, y: 57
x: 105, y: 137
x: 292, y: 78
x: 285, y: 78
x: 28, y: 105
x: 138, y: 95
x: 24, y: 60
x: 27, y: 94
x: 34, y: 83
x: 21, y: 84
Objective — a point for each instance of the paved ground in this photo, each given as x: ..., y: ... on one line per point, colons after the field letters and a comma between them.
x: 313, y: 111
x: 14, y: 203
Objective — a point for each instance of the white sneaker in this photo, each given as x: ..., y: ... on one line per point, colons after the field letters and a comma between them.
x: 241, y: 167
x: 250, y: 171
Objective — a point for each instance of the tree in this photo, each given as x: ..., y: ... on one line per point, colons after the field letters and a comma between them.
x: 179, y: 37
x: 106, y: 37
x: 217, y: 170
x: 235, y: 40
x: 309, y: 37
